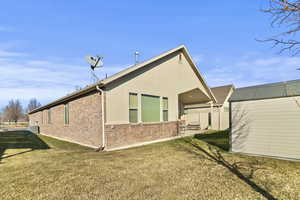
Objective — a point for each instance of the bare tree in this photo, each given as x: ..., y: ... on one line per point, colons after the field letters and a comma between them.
x: 285, y: 14
x: 13, y: 111
x: 33, y: 104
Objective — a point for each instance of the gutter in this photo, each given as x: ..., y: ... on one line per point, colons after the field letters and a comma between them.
x: 103, y: 118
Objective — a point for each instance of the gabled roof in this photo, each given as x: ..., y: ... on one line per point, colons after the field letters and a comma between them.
x: 221, y: 93
x: 267, y: 91
x: 127, y: 71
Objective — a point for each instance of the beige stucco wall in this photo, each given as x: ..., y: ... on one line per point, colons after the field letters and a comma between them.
x: 224, y: 123
x: 267, y: 127
x: 167, y: 77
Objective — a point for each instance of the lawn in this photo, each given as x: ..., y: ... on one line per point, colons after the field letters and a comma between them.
x: 39, y: 167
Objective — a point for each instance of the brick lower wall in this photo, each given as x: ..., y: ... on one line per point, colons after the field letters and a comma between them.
x: 85, y: 125
x: 119, y: 135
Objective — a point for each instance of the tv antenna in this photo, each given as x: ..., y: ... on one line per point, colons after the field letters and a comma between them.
x: 95, y: 62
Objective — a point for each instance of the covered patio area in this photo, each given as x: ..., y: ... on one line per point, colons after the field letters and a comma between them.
x: 194, y: 97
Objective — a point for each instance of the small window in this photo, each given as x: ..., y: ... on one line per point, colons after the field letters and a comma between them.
x: 49, y: 116
x: 133, y: 108
x: 209, y: 119
x: 42, y: 117
x: 165, y: 109
x: 66, y: 113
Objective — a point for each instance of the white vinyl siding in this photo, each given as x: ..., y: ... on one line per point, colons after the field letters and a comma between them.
x: 266, y: 127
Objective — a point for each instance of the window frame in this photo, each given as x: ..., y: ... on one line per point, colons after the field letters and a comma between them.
x: 49, y: 116
x: 66, y: 114
x: 42, y: 117
x: 165, y: 109
x: 130, y: 108
x: 209, y: 119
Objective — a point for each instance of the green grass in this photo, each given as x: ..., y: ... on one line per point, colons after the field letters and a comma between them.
x: 63, y: 145
x: 216, y: 138
x: 39, y: 167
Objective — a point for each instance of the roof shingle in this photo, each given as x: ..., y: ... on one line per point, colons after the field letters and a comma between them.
x: 221, y: 93
x: 266, y: 91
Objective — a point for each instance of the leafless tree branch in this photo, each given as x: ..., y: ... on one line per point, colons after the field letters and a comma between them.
x: 285, y: 13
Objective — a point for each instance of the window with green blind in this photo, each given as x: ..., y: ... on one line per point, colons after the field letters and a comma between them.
x: 133, y: 107
x: 165, y: 109
x: 150, y: 108
x: 66, y: 113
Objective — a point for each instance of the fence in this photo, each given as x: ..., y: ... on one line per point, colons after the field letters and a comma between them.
x: 4, y: 125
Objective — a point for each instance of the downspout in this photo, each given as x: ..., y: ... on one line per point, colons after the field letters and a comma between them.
x: 103, y: 118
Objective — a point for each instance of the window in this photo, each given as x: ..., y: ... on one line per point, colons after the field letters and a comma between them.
x: 49, y: 116
x: 209, y: 119
x: 133, y: 108
x: 165, y: 109
x: 42, y: 117
x: 66, y: 113
x: 150, y: 108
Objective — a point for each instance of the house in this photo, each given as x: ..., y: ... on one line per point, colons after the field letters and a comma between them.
x: 141, y: 104
x: 214, y: 116
x: 265, y: 120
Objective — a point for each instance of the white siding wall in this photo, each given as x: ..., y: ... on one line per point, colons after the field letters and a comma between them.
x: 267, y: 127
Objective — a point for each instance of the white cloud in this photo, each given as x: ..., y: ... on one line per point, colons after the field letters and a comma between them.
x: 254, y: 70
x: 24, y: 78
x: 5, y: 53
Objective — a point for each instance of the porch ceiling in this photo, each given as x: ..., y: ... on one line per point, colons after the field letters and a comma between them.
x: 194, y: 96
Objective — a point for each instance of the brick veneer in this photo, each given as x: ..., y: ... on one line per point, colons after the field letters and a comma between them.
x: 119, y: 135
x: 85, y: 121
x: 85, y: 125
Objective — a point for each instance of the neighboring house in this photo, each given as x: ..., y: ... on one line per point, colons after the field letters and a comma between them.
x: 211, y: 116
x: 265, y: 120
x: 141, y: 104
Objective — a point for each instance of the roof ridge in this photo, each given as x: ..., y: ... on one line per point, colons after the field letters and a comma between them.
x: 270, y: 84
x: 130, y: 70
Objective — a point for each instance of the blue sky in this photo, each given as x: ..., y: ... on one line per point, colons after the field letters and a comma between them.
x: 43, y: 43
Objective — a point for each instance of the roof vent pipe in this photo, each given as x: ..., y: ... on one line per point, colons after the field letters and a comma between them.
x: 136, y: 57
